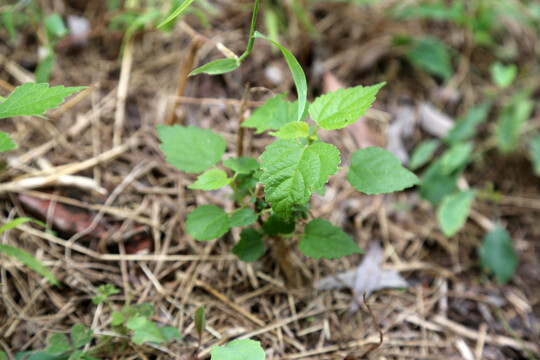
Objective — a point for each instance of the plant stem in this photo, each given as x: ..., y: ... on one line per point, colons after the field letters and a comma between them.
x: 251, y: 32
x: 240, y: 133
x: 282, y: 254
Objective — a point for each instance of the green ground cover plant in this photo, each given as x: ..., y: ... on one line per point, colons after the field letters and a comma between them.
x: 297, y: 164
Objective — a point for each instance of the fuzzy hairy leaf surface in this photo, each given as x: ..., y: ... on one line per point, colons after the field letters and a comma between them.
x: 454, y: 211
x: 322, y: 239
x: 497, y: 254
x: 292, y: 171
x: 273, y: 115
x: 244, y: 349
x: 190, y: 149
x: 211, y: 180
x: 343, y: 107
x: 377, y: 171
x: 34, y: 99
x: 207, y: 222
x: 250, y: 247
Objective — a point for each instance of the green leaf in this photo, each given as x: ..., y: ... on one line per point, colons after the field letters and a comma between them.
x: 456, y: 157
x: 44, y: 69
x: 292, y: 171
x: 436, y: 183
x: 170, y: 332
x: 273, y: 115
x: 503, y: 75
x: 278, y: 225
x: 190, y: 149
x: 200, y: 320
x: 55, y: 25
x: 243, y: 217
x: 343, y: 107
x: 217, y: 67
x: 376, y: 171
x: 454, y: 211
x: 292, y: 130
x: 177, y: 12
x: 244, y: 349
x: 34, y: 99
x: 103, y: 292
x: 30, y: 261
x: 81, y: 335
x: 19, y: 221
x: 423, y: 153
x: 58, y: 344
x: 250, y: 247
x: 534, y: 148
x: 322, y: 239
x: 297, y: 74
x: 498, y: 255
x: 144, y: 330
x: 431, y: 55
x: 211, y: 180
x: 117, y: 318
x: 242, y: 165
x: 510, y: 123
x: 6, y: 144
x: 207, y: 222
x: 465, y: 128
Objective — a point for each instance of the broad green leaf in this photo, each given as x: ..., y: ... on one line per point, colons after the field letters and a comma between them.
x: 322, y: 239
x: 6, y: 144
x: 503, y: 75
x: 242, y: 165
x: 177, y: 12
x: 30, y: 261
x: 510, y: 123
x: 292, y: 131
x: 297, y: 74
x: 377, y: 171
x: 292, y: 171
x: 431, y: 55
x: 465, y: 128
x: 34, y: 99
x: 58, y: 344
x: 454, y: 211
x: 41, y: 355
x: 277, y: 225
x: 200, y: 320
x: 273, y: 115
x: 207, y: 222
x: 456, y: 157
x: 170, y: 332
x: 243, y: 217
x: 436, y: 183
x: 534, y: 148
x: 250, y: 247
x: 81, y: 335
x: 433, y: 11
x: 244, y: 349
x: 343, y: 107
x: 211, y: 180
x: 55, y: 25
x: 497, y: 254
x: 144, y: 330
x: 423, y: 153
x: 217, y: 67
x: 117, y: 318
x: 190, y: 149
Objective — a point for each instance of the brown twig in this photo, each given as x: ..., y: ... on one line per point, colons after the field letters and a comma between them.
x: 185, y: 69
x: 381, y: 336
x: 240, y: 133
